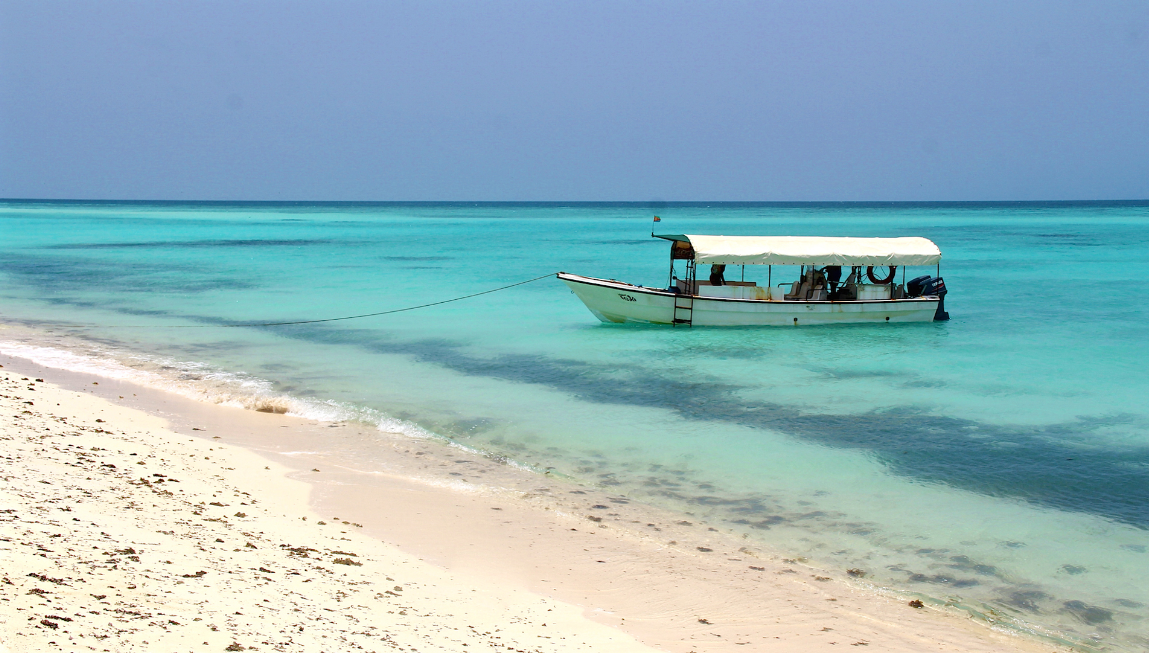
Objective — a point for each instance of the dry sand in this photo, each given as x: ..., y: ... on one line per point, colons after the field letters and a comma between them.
x: 136, y: 520
x: 120, y: 535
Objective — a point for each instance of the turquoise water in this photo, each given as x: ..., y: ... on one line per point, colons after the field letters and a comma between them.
x: 998, y: 461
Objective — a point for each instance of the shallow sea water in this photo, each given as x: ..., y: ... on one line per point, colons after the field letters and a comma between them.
x: 998, y: 461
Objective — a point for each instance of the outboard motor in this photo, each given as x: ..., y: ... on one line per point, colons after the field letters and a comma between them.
x: 926, y: 286
x: 915, y: 286
x: 937, y: 287
x: 934, y: 286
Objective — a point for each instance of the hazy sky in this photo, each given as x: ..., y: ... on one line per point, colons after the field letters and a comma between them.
x: 551, y: 100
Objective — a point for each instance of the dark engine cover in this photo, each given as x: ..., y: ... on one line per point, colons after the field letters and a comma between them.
x: 916, y: 285
x: 935, y: 287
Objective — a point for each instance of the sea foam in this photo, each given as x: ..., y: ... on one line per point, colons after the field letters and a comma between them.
x: 201, y: 382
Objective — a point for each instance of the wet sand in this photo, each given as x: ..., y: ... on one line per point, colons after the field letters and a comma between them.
x: 177, y: 525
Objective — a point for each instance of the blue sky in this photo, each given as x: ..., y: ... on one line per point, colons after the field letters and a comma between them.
x: 427, y: 100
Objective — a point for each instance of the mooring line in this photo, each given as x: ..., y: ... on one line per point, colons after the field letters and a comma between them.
x: 271, y: 324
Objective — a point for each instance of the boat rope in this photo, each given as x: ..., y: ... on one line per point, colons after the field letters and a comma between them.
x: 327, y: 319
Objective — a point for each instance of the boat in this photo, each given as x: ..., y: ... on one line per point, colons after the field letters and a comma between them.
x: 868, y: 294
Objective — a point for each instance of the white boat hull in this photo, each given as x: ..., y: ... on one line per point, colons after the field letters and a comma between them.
x: 617, y: 302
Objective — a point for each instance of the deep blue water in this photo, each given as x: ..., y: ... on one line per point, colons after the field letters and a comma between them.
x: 1000, y: 460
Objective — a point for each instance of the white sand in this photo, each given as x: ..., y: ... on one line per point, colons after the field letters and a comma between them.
x: 100, y: 558
x: 119, y: 535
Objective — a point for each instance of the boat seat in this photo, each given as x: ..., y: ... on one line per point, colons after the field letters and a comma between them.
x: 811, y: 287
x: 795, y: 292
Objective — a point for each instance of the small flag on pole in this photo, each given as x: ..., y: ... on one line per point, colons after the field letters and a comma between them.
x: 657, y: 219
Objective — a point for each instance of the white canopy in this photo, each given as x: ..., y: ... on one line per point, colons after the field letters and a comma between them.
x: 812, y: 250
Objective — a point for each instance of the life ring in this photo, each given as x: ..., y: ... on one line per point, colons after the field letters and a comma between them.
x: 874, y: 279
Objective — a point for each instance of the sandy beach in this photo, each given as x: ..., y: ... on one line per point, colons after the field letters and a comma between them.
x: 136, y: 520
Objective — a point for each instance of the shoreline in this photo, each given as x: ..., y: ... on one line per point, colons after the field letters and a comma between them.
x: 124, y: 535
x: 665, y: 584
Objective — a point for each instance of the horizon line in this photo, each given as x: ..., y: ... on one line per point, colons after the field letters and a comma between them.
x: 654, y: 203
